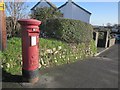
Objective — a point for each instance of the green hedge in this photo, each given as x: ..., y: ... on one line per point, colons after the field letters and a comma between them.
x: 68, y: 30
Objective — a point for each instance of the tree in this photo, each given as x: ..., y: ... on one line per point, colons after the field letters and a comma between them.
x: 15, y: 10
x: 43, y: 14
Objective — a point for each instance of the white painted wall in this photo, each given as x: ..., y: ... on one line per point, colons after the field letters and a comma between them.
x: 67, y: 11
x: 71, y: 11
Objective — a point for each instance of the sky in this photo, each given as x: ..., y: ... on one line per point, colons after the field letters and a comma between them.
x: 63, y: 0
x: 103, y: 12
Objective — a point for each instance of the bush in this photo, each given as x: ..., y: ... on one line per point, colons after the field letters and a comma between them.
x: 0, y: 55
x: 101, y: 35
x: 43, y: 14
x: 12, y: 57
x: 68, y: 30
x: 52, y: 53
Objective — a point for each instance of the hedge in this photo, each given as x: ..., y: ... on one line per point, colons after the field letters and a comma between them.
x: 68, y: 30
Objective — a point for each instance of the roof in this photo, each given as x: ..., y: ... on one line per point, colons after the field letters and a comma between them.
x: 49, y: 3
x: 75, y: 5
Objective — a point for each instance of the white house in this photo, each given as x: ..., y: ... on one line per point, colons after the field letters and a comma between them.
x: 69, y: 10
x: 73, y: 11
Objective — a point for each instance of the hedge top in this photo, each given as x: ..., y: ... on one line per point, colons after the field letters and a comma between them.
x: 68, y: 30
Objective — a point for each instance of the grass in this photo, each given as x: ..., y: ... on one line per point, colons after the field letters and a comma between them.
x: 52, y: 53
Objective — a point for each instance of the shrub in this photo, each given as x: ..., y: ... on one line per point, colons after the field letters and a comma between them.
x: 0, y: 55
x: 101, y: 35
x: 11, y: 61
x: 43, y: 14
x: 52, y: 52
x: 71, y: 31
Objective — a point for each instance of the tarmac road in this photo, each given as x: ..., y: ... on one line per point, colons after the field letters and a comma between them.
x: 94, y: 72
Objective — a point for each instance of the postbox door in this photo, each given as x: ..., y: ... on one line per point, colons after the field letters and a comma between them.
x: 33, y: 51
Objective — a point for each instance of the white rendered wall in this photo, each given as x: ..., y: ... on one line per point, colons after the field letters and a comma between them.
x: 71, y: 11
x: 80, y: 14
x: 67, y: 11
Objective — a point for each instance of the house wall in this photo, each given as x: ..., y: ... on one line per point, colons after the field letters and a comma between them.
x: 71, y: 11
x: 67, y: 11
x: 80, y: 14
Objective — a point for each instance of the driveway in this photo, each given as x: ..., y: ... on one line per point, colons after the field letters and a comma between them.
x: 94, y: 72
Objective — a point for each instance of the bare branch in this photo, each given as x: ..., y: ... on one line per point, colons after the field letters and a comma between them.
x: 15, y: 10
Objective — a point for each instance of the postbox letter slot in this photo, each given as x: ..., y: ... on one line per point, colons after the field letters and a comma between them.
x: 33, y: 40
x: 34, y: 29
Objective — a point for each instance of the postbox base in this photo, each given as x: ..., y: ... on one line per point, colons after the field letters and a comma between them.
x: 30, y: 76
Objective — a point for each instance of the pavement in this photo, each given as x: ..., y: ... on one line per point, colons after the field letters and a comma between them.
x: 94, y: 72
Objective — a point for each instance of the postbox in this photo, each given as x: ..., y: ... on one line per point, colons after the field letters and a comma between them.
x: 30, y: 49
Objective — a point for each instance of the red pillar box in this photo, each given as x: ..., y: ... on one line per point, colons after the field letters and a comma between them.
x: 30, y: 49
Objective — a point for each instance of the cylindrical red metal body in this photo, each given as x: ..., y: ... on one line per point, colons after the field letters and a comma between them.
x: 30, y: 49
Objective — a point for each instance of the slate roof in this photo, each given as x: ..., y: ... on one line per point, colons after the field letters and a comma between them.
x: 49, y: 3
x: 75, y: 5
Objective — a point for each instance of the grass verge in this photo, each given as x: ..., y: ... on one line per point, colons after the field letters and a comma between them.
x: 52, y: 53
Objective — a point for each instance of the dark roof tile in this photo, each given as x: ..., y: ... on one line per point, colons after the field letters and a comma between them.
x: 49, y: 3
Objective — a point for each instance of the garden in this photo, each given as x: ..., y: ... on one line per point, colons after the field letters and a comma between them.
x: 65, y: 41
x: 53, y: 52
